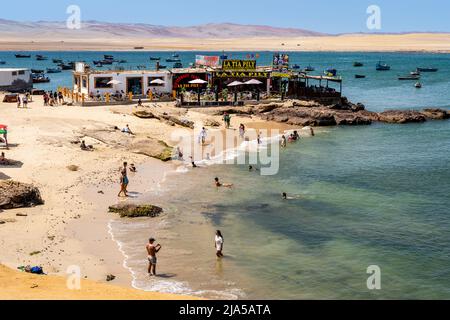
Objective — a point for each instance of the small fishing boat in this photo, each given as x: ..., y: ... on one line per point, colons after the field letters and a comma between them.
x: 331, y: 72
x: 309, y: 69
x: 41, y: 57
x: 175, y: 55
x: 427, y: 69
x: 418, y: 85
x: 359, y: 76
x: 66, y: 66
x: 22, y: 55
x: 224, y: 56
x: 54, y: 70
x: 177, y: 65
x: 173, y: 60
x: 296, y: 67
x: 57, y: 61
x: 155, y: 58
x: 121, y: 61
x: 108, y: 57
x: 2, y: 62
x: 410, y: 77
x: 37, y: 71
x: 141, y: 67
x: 40, y: 78
x: 415, y: 73
x: 358, y: 64
x: 383, y: 66
x: 162, y: 67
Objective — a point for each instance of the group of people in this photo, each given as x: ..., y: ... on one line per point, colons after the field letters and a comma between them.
x: 124, y: 181
x: 53, y: 98
x: 152, y: 249
x: 293, y: 137
x: 23, y: 101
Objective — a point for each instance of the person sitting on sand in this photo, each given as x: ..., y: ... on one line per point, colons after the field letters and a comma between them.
x: 152, y: 250
x: 124, y: 180
x: 133, y: 168
x: 127, y: 130
x: 84, y: 147
x: 193, y: 162
x: 218, y: 184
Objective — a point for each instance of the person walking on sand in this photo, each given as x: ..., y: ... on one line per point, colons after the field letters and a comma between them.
x: 227, y: 120
x: 25, y: 102
x: 124, y: 180
x: 18, y: 101
x: 152, y: 250
x: 202, y: 136
x: 218, y: 244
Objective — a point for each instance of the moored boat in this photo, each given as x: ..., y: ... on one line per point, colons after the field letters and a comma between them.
x: 331, y: 72
x: 359, y: 76
x: 173, y: 60
x: 409, y: 77
x: 418, y: 85
x: 41, y: 57
x: 155, y: 58
x: 177, y: 65
x: 40, y: 78
x: 53, y: 70
x: 37, y: 71
x: 427, y: 69
x: 295, y: 67
x: 309, y: 69
x: 358, y: 64
x: 57, y: 61
x: 383, y: 66
x: 19, y: 55
x: 2, y: 62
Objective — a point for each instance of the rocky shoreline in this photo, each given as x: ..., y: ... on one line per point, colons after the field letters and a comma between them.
x: 307, y: 113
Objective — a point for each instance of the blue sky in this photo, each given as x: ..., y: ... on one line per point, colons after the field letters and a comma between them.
x: 331, y: 16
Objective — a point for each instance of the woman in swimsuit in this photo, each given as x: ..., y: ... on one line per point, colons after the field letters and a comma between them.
x: 124, y: 180
x: 218, y: 244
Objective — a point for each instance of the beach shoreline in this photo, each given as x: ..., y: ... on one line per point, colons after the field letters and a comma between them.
x: 414, y: 42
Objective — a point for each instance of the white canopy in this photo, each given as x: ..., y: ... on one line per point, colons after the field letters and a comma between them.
x: 114, y: 82
x: 253, y: 81
x: 158, y: 81
x: 235, y: 84
x: 198, y: 81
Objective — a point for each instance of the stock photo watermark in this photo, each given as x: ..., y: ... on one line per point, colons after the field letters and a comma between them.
x: 374, y: 281
x: 374, y: 19
x: 73, y: 22
x: 74, y: 278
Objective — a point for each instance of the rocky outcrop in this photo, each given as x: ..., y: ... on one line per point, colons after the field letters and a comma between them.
x: 18, y: 195
x: 169, y: 119
x: 126, y: 210
x: 401, y: 116
x: 152, y: 148
x: 344, y: 113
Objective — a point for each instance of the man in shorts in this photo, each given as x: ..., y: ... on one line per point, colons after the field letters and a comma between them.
x: 152, y: 250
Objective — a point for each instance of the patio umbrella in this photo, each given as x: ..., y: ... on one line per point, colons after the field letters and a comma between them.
x: 235, y: 84
x: 3, y: 128
x: 254, y: 82
x: 114, y: 82
x: 198, y: 81
x: 158, y: 81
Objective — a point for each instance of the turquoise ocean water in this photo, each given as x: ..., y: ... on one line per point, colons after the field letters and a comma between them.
x: 376, y: 195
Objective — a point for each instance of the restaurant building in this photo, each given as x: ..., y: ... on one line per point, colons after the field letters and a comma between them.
x: 138, y: 82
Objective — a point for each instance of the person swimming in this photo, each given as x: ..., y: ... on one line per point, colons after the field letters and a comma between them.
x: 218, y: 184
x: 285, y: 196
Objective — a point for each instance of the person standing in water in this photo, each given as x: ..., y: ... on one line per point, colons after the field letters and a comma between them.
x: 124, y: 180
x: 242, y: 131
x: 312, y: 131
x: 283, y: 141
x: 152, y: 250
x: 218, y: 244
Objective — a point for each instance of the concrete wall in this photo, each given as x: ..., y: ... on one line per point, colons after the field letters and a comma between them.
x: 15, y: 79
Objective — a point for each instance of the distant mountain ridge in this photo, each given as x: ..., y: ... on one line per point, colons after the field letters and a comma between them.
x: 96, y: 29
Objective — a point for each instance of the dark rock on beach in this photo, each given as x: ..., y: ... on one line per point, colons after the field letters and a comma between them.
x: 135, y: 211
x: 18, y: 195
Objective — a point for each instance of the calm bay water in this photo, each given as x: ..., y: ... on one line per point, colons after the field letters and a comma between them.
x: 373, y: 195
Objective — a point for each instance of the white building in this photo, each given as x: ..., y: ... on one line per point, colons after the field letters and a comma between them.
x: 15, y: 79
x: 138, y: 82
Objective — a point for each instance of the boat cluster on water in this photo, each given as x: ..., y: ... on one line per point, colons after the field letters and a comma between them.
x: 413, y: 75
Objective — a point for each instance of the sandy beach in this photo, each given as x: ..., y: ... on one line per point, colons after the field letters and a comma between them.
x: 414, y: 42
